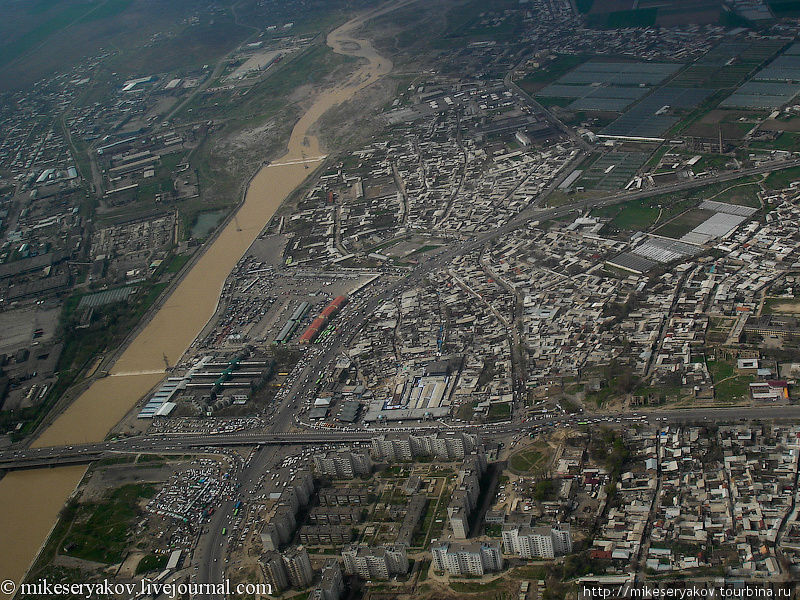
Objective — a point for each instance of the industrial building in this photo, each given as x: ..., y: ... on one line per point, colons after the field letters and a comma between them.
x: 317, y: 326
x: 292, y: 323
x: 211, y: 376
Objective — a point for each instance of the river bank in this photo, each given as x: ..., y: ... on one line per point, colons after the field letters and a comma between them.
x: 32, y: 499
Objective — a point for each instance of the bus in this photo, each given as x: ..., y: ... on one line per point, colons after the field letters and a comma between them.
x: 224, y: 530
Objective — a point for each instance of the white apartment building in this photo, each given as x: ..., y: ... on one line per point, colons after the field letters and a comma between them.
x: 537, y: 542
x: 375, y: 563
x: 475, y: 558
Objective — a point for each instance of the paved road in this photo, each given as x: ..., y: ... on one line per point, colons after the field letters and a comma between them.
x: 210, y: 552
x: 272, y: 441
x: 555, y: 121
x: 354, y: 317
x: 211, y: 549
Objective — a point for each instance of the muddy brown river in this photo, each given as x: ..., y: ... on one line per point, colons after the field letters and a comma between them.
x: 31, y: 500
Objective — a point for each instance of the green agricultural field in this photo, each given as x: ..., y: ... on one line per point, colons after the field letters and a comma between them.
x: 631, y: 216
x: 466, y: 22
x: 48, y: 23
x: 694, y: 76
x: 551, y: 101
x: 785, y: 8
x: 562, y: 64
x: 785, y: 141
x: 643, y: 17
x: 638, y: 215
x: 39, y: 37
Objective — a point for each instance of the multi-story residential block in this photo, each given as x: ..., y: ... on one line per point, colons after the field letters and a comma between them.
x: 465, y: 495
x: 343, y: 496
x: 275, y: 570
x: 375, y: 562
x: 303, y: 485
x: 281, y: 521
x: 444, y: 446
x: 458, y: 558
x: 298, y: 567
x: 279, y: 527
x: 331, y: 585
x: 343, y: 463
x: 459, y: 521
x: 334, y: 515
x: 326, y: 535
x: 392, y: 448
x: 536, y: 542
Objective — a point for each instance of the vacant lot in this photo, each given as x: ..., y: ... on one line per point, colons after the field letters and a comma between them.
x: 734, y: 389
x: 525, y: 461
x: 100, y: 530
x: 782, y: 306
x: 777, y: 180
x: 743, y: 195
x: 530, y: 458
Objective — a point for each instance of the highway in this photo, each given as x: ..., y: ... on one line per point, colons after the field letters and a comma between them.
x: 354, y: 317
x: 189, y: 443
x: 165, y: 444
x: 209, y: 556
